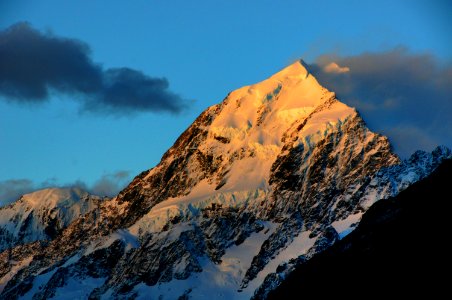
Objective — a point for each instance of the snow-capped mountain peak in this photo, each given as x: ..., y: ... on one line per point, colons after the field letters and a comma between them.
x: 275, y: 173
x: 241, y: 138
x: 42, y: 214
x: 51, y: 197
x: 297, y: 69
x: 262, y: 112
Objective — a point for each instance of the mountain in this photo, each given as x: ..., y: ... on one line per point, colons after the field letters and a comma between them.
x: 398, y: 249
x: 40, y: 216
x: 258, y: 184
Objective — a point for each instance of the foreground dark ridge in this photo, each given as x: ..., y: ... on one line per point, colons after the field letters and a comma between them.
x: 397, y: 249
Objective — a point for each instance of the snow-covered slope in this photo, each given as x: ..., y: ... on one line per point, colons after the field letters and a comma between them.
x: 43, y: 214
x: 275, y: 173
x: 227, y: 155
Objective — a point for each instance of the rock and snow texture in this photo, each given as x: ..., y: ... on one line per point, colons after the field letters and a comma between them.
x: 42, y: 215
x: 259, y: 183
x: 27, y: 224
x: 397, y: 249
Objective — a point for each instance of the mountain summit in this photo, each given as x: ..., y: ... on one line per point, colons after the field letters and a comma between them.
x: 258, y: 184
x: 237, y: 152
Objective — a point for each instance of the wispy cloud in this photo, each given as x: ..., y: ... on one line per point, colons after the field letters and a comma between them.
x: 403, y: 95
x: 335, y: 68
x: 12, y: 189
x: 107, y: 185
x: 33, y: 65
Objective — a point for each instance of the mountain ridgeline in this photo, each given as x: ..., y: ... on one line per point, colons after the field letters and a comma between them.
x: 260, y: 183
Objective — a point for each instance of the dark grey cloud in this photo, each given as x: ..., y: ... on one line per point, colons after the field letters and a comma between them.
x: 33, y: 65
x: 128, y: 90
x: 406, y: 96
x: 107, y: 185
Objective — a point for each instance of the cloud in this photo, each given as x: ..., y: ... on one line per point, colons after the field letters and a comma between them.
x: 406, y: 96
x: 107, y: 185
x: 33, y: 65
x: 110, y: 184
x: 128, y: 90
x: 335, y: 68
x: 12, y: 189
x: 405, y: 136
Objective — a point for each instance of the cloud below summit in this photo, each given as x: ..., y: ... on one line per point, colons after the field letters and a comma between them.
x: 107, y: 185
x: 12, y: 189
x: 33, y: 65
x: 406, y: 96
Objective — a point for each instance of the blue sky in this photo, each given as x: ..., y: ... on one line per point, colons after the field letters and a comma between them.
x: 204, y: 49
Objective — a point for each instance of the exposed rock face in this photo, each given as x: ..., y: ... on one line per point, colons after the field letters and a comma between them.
x: 258, y: 184
x: 386, y: 183
x: 393, y: 251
